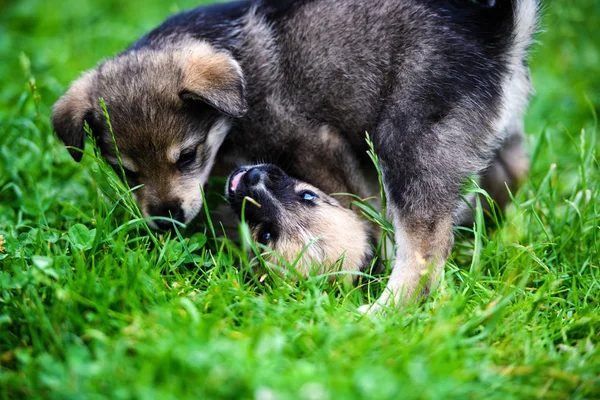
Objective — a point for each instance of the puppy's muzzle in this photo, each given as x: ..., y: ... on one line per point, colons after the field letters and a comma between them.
x: 259, y: 183
x: 170, y: 209
x: 254, y: 176
x: 244, y: 179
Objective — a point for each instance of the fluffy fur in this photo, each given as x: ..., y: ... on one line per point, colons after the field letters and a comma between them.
x: 439, y: 84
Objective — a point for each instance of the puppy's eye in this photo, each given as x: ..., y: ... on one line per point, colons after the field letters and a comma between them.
x: 129, y: 174
x: 186, y: 158
x: 307, y: 195
x: 267, y: 234
x: 265, y: 237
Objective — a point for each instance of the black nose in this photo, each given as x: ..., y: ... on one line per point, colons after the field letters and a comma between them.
x: 170, y: 210
x: 254, y: 176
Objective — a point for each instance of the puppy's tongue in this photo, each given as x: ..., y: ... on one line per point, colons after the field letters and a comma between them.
x: 235, y: 181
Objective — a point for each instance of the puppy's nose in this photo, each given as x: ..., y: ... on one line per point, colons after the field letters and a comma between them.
x: 254, y: 176
x: 170, y: 210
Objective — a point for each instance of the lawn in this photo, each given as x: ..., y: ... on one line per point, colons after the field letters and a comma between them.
x: 92, y: 305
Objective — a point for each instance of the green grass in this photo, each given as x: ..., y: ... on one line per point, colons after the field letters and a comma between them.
x: 92, y: 306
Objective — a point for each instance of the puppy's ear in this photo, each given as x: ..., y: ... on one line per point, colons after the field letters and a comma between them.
x: 216, y: 79
x: 71, y: 111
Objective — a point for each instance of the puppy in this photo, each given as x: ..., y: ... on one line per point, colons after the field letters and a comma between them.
x: 307, y: 228
x: 440, y: 85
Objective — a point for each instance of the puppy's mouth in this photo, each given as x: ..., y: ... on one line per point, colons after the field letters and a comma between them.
x: 235, y: 179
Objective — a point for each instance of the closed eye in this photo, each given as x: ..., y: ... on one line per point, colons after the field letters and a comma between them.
x: 186, y: 158
x: 130, y: 174
x: 307, y: 195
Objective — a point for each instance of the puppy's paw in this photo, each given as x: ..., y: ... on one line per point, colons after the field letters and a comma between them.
x: 364, y: 309
x: 370, y: 309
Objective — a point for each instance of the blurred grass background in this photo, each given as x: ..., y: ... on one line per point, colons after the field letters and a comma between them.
x: 90, y: 308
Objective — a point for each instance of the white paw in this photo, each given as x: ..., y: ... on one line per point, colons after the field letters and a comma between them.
x: 364, y: 309
x: 370, y: 309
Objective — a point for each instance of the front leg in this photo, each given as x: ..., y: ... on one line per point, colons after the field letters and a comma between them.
x: 424, y: 245
x: 423, y: 241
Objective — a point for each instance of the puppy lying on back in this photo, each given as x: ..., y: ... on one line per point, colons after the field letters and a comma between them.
x: 293, y: 218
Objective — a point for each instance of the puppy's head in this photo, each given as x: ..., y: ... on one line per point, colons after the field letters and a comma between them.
x: 293, y: 216
x: 169, y: 110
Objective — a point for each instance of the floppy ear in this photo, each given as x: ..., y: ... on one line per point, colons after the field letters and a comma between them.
x: 216, y: 79
x: 70, y: 112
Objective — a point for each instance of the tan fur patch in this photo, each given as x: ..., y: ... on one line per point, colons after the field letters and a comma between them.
x: 214, y: 77
x: 206, y: 70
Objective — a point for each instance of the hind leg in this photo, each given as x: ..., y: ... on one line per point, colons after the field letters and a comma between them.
x: 507, y: 171
x: 510, y: 163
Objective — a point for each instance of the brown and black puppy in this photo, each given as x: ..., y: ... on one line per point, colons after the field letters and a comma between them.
x: 440, y: 85
x: 310, y: 230
x: 170, y: 111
